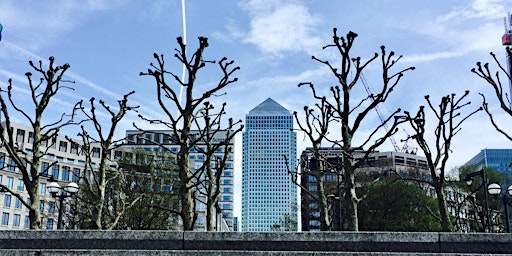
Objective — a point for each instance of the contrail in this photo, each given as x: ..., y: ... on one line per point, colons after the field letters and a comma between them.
x: 75, y: 76
x: 184, y: 20
x: 78, y: 78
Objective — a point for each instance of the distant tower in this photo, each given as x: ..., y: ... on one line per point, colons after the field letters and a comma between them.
x: 506, y: 40
x: 269, y: 198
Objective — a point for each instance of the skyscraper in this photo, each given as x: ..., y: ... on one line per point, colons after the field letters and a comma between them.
x: 269, y: 198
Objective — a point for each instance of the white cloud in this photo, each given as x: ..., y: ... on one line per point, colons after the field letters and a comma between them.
x: 461, y: 31
x: 488, y: 9
x: 279, y: 26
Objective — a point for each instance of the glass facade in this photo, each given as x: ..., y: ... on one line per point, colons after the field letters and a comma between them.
x: 497, y: 159
x: 269, y: 198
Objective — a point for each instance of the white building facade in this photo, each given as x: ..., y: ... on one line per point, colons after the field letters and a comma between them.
x: 269, y: 198
x: 70, y: 165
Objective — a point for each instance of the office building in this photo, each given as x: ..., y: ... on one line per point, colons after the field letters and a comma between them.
x: 269, y: 198
x: 70, y: 166
x: 161, y: 141
x: 377, y: 165
x: 497, y: 159
x: 70, y: 163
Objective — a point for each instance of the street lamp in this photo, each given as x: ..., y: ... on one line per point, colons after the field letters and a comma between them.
x: 62, y: 193
x: 495, y: 189
x: 469, y: 179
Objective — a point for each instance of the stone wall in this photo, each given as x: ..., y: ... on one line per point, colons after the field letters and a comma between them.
x: 380, y: 242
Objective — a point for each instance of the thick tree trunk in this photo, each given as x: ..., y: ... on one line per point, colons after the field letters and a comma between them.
x: 351, y: 200
x: 210, y: 215
x: 325, y: 223
x: 443, y: 209
x: 34, y: 212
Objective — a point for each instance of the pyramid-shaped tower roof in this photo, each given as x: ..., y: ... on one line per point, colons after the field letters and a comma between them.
x: 269, y: 106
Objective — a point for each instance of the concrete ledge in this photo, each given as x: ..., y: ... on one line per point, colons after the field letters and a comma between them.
x: 170, y: 242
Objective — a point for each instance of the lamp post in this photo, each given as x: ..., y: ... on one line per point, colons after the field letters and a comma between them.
x: 495, y: 189
x: 469, y: 179
x: 62, y: 193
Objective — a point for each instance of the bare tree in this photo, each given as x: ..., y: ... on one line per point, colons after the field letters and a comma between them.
x: 349, y: 117
x: 504, y: 100
x: 316, y: 127
x: 44, y: 131
x: 98, y: 173
x: 181, y: 123
x: 447, y: 118
x: 214, y: 139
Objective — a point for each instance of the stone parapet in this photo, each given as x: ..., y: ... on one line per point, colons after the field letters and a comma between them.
x: 170, y: 242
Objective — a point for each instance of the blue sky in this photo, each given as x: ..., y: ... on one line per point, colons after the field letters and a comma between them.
x: 108, y: 43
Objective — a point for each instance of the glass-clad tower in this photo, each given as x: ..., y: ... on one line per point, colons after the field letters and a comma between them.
x: 497, y: 159
x: 269, y: 198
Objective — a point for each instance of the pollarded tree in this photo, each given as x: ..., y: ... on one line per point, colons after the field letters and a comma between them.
x: 316, y: 127
x: 214, y: 144
x: 504, y: 100
x: 44, y: 130
x: 350, y: 113
x: 181, y: 115
x: 447, y: 120
x: 98, y: 173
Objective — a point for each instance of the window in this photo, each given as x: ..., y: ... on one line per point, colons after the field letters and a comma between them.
x: 11, y: 166
x: 51, y: 207
x: 49, y: 223
x: 44, y: 168
x: 16, y: 220
x: 55, y: 171
x: 76, y: 175
x: 166, y: 139
x: 63, y: 146
x: 156, y: 137
x: 5, y: 219
x: 53, y: 143
x: 130, y: 139
x: 21, y: 185
x: 30, y: 137
x: 26, y: 223
x: 74, y: 148
x: 41, y: 205
x: 2, y: 160
x: 10, y: 182
x: 95, y: 152
x: 65, y: 173
x: 17, y: 203
x: 20, y: 136
x: 7, y: 201
x: 42, y: 188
